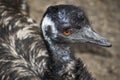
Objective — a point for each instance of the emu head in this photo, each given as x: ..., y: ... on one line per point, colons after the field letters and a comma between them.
x: 69, y: 24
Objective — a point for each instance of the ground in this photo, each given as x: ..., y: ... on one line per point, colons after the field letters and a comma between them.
x: 104, y: 15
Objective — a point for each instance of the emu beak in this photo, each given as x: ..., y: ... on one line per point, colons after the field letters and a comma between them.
x: 90, y: 36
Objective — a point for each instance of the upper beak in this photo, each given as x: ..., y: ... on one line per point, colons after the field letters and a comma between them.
x: 87, y: 35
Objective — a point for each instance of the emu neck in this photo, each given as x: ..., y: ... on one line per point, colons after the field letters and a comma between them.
x: 60, y: 52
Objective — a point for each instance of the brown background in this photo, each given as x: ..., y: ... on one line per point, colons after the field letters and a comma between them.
x: 104, y: 15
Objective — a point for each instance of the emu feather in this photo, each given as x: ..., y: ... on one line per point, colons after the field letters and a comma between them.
x: 29, y: 53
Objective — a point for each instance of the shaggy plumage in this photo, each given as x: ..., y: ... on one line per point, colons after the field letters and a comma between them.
x: 28, y: 53
x: 23, y: 55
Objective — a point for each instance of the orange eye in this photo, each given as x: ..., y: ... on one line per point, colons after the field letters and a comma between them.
x: 67, y: 32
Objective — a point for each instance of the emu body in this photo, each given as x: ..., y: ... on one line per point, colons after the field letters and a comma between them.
x: 28, y: 53
x: 23, y: 55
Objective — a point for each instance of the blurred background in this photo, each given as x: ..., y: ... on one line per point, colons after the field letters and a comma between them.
x: 104, y: 15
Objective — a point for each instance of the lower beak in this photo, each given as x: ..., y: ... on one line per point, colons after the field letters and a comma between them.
x: 90, y: 36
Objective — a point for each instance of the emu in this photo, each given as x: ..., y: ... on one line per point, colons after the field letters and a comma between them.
x: 30, y: 53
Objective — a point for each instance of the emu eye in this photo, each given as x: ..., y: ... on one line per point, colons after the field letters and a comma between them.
x: 67, y: 32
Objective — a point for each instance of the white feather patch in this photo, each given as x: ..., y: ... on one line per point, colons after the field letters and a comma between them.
x: 46, y: 23
x: 24, y: 33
